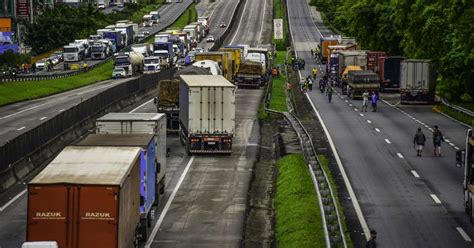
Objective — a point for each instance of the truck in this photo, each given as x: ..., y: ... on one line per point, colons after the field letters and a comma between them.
x: 354, y: 58
x: 165, y: 51
x: 86, y: 197
x: 206, y: 113
x: 140, y: 123
x: 389, y: 72
x: 144, y: 48
x: 135, y: 29
x: 465, y: 158
x: 236, y: 54
x: 116, y: 38
x: 324, y: 42
x: 223, y: 58
x: 73, y: 53
x: 204, y: 20
x: 155, y: 16
x: 211, y: 65
x: 201, y: 31
x: 128, y: 31
x: 167, y: 102
x: 148, y: 21
x: 373, y: 60
x: 417, y: 81
x: 249, y: 75
x: 192, y: 32
x: 99, y: 51
x: 132, y: 62
x: 360, y: 81
x: 149, y: 194
x: 152, y: 64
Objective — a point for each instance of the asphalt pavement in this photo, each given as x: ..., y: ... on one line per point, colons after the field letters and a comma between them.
x: 410, y: 201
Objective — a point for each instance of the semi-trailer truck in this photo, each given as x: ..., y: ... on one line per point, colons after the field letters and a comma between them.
x: 167, y: 102
x: 389, y: 72
x: 132, y: 62
x: 417, y: 81
x: 86, y: 197
x: 140, y: 123
x: 149, y: 194
x: 206, y: 113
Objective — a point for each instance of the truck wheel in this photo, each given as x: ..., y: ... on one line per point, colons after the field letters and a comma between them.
x: 470, y: 208
x: 162, y: 186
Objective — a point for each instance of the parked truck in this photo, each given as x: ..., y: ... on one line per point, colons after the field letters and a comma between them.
x: 360, y: 81
x: 464, y: 157
x: 149, y: 194
x: 223, y: 58
x: 155, y: 16
x: 143, y: 48
x: 192, y: 32
x: 140, y: 123
x: 206, y: 113
x: 100, y: 51
x: 132, y: 62
x: 389, y: 72
x: 152, y: 64
x: 354, y: 58
x: 148, y: 21
x: 373, y: 60
x: 165, y: 51
x: 249, y: 75
x: 86, y: 197
x: 116, y: 38
x: 417, y: 81
x: 167, y: 102
x: 236, y: 54
x: 324, y: 42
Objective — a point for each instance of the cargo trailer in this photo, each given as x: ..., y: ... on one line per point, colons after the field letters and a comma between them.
x: 354, y: 58
x: 360, y: 81
x: 373, y: 60
x: 167, y: 102
x: 206, y: 113
x: 417, y: 81
x: 149, y: 194
x: 389, y: 72
x: 140, y: 123
x: 87, y: 197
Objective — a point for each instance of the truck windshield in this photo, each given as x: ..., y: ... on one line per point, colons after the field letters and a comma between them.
x: 162, y: 55
x: 97, y: 49
x: 70, y: 50
x: 152, y: 61
x: 122, y: 61
x: 161, y: 47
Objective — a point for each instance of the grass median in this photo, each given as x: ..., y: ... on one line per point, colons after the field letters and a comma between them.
x: 278, y: 91
x: 27, y: 90
x: 298, y: 221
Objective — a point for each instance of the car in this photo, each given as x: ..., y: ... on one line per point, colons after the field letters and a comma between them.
x: 112, y: 4
x: 143, y: 34
x: 222, y: 25
x: 119, y: 73
x: 101, y: 6
x: 119, y: 5
x: 210, y: 39
x: 40, y: 64
x: 199, y: 49
x: 59, y: 55
x: 54, y: 59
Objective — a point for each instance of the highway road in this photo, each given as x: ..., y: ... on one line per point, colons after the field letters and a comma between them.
x: 410, y: 201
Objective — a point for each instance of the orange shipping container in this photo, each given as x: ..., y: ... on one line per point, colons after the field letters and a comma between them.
x: 86, y: 197
x: 5, y: 25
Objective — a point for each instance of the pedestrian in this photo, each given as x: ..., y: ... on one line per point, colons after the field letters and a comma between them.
x: 312, y: 52
x: 289, y: 86
x: 302, y: 63
x: 374, y: 99
x: 371, y: 242
x: 437, y: 139
x: 365, y: 100
x: 329, y: 93
x: 302, y: 83
x: 315, y: 72
x: 275, y: 72
x: 419, y: 141
x: 310, y: 83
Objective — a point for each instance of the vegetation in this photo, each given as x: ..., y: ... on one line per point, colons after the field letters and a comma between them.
x: 10, y: 59
x: 278, y: 91
x: 279, y: 12
x: 426, y: 29
x: 19, y: 91
x: 298, y: 221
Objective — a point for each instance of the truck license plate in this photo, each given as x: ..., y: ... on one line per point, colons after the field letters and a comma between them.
x: 211, y: 143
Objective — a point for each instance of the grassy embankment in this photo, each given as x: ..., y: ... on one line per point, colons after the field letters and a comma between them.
x: 27, y: 90
x: 298, y: 221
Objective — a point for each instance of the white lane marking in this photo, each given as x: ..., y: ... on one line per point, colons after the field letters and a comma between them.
x: 415, y: 174
x: 42, y: 118
x: 238, y: 26
x: 431, y: 129
x: 388, y: 141
x: 463, y: 234
x: 451, y: 144
x: 435, y: 199
x: 135, y: 109
x: 346, y: 101
x: 457, y: 148
x: 361, y: 114
x: 168, y: 204
x: 369, y: 121
x: 399, y: 155
x: 263, y: 19
x: 28, y: 109
x: 446, y: 140
x: 378, y: 130
x: 356, y: 110
x: 61, y: 110
x: 355, y: 202
x: 12, y: 200
x: 350, y: 104
x: 21, y: 128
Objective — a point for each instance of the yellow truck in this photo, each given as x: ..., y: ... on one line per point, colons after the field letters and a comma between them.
x: 236, y: 57
x: 345, y: 74
x: 223, y: 58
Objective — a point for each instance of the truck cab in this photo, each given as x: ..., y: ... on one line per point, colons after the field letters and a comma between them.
x: 155, y: 16
x: 147, y: 21
x: 152, y: 64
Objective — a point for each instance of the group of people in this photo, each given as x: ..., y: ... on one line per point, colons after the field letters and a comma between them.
x: 420, y: 139
x: 373, y: 100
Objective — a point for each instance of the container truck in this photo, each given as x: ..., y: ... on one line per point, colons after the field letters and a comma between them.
x: 324, y: 42
x: 200, y: 30
x: 465, y: 158
x: 224, y: 59
x: 86, y: 197
x: 165, y: 51
x: 149, y: 170
x: 204, y: 20
x: 116, y: 38
x: 132, y: 62
x: 389, y: 72
x: 360, y: 81
x: 417, y: 81
x: 140, y: 123
x: 126, y: 29
x: 206, y: 113
x: 249, y: 75
x: 144, y: 48
x: 354, y: 58
x: 192, y: 32
x: 373, y: 60
x: 167, y: 102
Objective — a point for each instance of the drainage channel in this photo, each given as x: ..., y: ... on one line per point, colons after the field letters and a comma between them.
x: 334, y: 233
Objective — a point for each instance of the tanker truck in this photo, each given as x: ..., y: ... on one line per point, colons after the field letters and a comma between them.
x: 132, y: 62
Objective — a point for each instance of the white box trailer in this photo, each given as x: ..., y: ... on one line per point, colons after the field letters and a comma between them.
x: 140, y: 123
x: 417, y: 81
x: 207, y: 113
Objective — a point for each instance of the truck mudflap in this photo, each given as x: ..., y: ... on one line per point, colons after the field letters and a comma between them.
x: 416, y: 96
x: 209, y: 144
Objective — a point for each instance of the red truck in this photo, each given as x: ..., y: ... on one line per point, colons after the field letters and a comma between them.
x: 87, y: 197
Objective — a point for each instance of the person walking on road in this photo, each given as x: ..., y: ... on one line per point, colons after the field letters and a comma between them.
x: 419, y: 141
x: 371, y: 242
x: 437, y: 139
x: 315, y: 72
x: 374, y: 99
x: 365, y: 100
x: 329, y: 93
x: 310, y: 83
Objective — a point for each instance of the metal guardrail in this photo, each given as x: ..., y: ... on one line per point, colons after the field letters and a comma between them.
x: 456, y: 108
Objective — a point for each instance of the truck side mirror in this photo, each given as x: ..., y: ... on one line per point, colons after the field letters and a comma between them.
x: 142, y: 200
x: 155, y: 100
x: 158, y: 167
x: 459, y: 158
